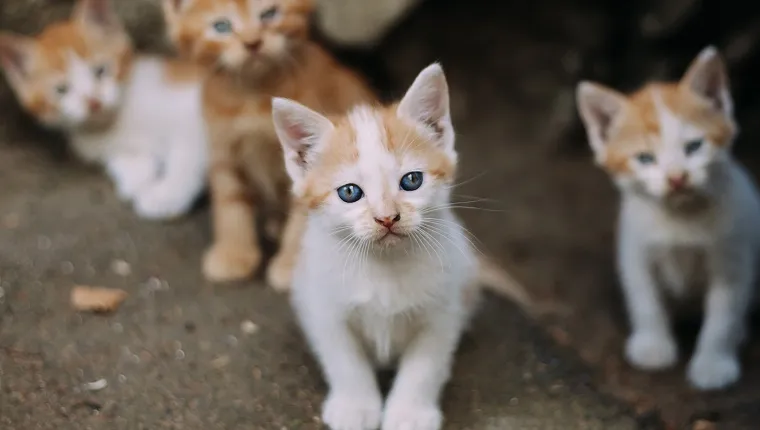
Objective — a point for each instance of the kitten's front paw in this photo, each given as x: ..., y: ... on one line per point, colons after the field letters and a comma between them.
x: 279, y: 273
x: 713, y: 371
x: 352, y: 412
x: 224, y: 263
x: 412, y: 416
x: 161, y: 203
x: 651, y: 351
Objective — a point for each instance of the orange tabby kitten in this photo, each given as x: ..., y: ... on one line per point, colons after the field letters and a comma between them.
x: 256, y: 49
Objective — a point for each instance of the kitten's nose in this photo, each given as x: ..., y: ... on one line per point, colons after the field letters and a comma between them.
x: 253, y: 45
x: 94, y: 105
x: 678, y: 181
x: 388, y: 221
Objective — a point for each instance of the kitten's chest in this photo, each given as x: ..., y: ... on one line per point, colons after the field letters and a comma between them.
x: 384, y: 336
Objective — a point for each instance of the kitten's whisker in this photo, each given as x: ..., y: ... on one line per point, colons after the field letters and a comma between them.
x: 466, y: 181
x: 433, y: 241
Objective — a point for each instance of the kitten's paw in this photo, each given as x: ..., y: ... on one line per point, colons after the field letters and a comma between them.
x: 713, y: 371
x: 132, y: 177
x: 352, y: 412
x: 280, y: 273
x: 651, y: 351
x: 412, y: 416
x: 224, y: 263
x: 161, y: 203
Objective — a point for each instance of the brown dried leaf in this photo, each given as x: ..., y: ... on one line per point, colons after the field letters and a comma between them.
x: 96, y: 299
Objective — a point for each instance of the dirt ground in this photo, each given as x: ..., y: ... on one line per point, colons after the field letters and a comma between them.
x: 175, y: 356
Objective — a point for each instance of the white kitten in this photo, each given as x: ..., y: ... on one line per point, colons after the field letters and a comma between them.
x: 386, y: 276
x: 140, y: 118
x: 668, y: 149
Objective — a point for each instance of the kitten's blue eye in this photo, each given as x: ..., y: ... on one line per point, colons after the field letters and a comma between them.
x: 269, y: 14
x: 350, y: 193
x: 62, y: 89
x: 645, y: 157
x: 692, y: 147
x: 411, y: 181
x: 223, y: 26
x: 99, y: 71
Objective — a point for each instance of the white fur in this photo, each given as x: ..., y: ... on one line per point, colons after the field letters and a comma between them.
x: 366, y: 301
x: 726, y: 234
x: 155, y: 150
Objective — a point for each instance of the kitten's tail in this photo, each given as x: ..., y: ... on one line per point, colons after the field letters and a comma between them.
x: 500, y: 282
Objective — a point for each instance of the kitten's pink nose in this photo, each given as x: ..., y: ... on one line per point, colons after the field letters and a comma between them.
x: 94, y: 105
x: 253, y: 45
x: 388, y: 221
x: 678, y: 181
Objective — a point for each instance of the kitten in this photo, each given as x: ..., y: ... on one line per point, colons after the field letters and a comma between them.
x: 138, y: 116
x: 257, y: 49
x: 668, y: 149
x: 386, y: 275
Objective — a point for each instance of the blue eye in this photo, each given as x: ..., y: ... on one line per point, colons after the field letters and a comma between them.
x: 269, y: 14
x: 645, y: 157
x: 350, y: 193
x: 222, y: 26
x: 411, y: 181
x: 99, y: 72
x: 62, y: 89
x: 692, y: 147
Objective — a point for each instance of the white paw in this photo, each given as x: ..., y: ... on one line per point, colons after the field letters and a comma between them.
x: 651, y: 350
x: 348, y: 411
x: 712, y: 371
x: 161, y: 202
x: 412, y: 416
x: 130, y: 182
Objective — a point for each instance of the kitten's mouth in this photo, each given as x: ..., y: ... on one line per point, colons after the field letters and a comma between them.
x: 390, y: 238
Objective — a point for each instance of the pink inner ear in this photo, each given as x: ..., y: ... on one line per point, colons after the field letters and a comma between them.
x: 297, y: 132
x: 11, y: 57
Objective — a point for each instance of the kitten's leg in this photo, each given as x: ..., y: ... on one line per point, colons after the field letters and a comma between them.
x: 131, y: 173
x: 281, y: 268
x: 424, y: 368
x: 354, y: 401
x: 715, y: 363
x: 184, y: 179
x: 651, y: 346
x: 236, y: 252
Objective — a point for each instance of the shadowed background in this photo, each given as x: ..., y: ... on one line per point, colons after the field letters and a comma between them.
x: 544, y: 210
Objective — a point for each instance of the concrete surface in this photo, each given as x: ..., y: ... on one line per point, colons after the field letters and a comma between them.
x: 174, y: 354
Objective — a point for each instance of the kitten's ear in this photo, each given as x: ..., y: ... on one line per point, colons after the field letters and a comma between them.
x: 599, y: 107
x: 98, y: 14
x: 427, y: 103
x: 15, y: 55
x: 707, y: 77
x: 300, y: 130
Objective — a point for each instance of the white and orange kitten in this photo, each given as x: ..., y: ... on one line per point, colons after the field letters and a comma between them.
x: 138, y: 116
x: 684, y: 197
x: 386, y: 276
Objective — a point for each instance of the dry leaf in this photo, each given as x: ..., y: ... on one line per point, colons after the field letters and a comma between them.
x: 96, y: 299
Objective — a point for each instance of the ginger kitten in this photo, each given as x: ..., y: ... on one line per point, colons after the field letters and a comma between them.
x: 386, y: 275
x: 138, y: 116
x: 256, y: 49
x: 668, y: 149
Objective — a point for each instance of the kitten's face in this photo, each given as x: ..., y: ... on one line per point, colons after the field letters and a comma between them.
x: 666, y: 139
x: 238, y: 34
x: 376, y: 176
x: 71, y: 75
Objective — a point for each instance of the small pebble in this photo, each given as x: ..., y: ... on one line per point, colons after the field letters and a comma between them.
x: 514, y: 401
x: 179, y: 354
x: 44, y: 242
x: 232, y: 340
x: 121, y: 267
x: 96, y: 385
x: 190, y: 327
x: 122, y: 379
x: 67, y: 267
x: 2, y: 293
x: 118, y: 328
x: 248, y: 327
x: 221, y: 361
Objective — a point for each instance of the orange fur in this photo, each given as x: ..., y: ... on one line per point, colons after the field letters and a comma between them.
x: 247, y: 175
